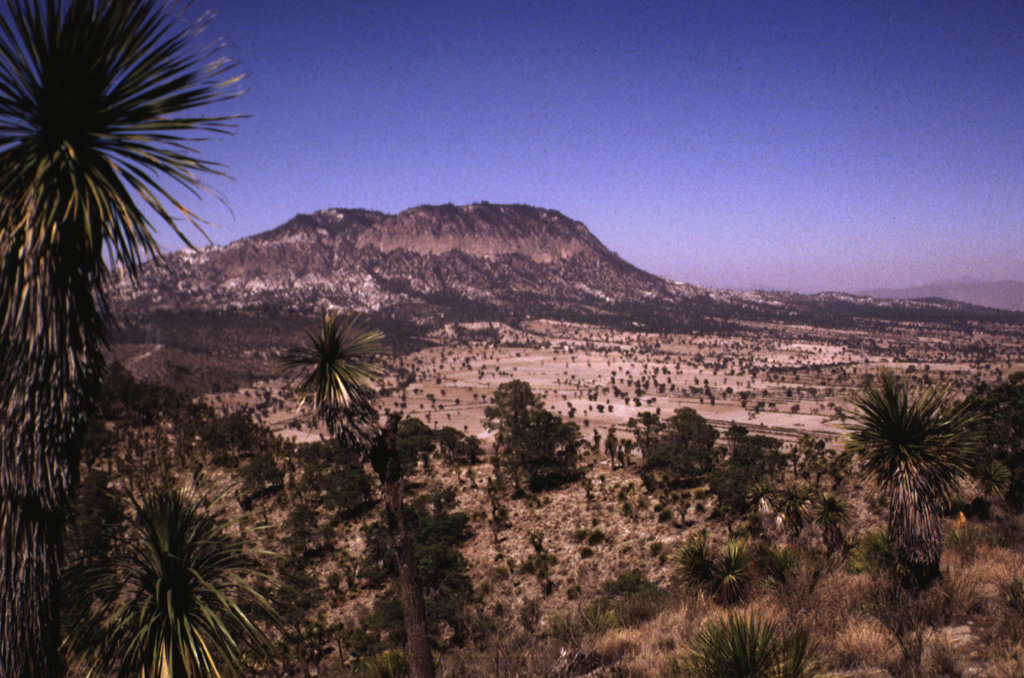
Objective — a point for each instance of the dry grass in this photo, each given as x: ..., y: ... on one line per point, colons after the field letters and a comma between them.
x: 643, y: 650
x: 863, y: 643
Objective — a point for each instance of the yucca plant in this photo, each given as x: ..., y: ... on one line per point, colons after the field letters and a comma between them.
x: 695, y: 564
x: 337, y: 373
x: 778, y: 563
x: 916, y: 445
x: 174, y: 598
x: 97, y: 123
x: 734, y: 573
x: 831, y: 514
x: 760, y: 498
x: 792, y: 504
x: 993, y: 479
x: 873, y: 553
x: 338, y: 370
x: 749, y: 646
x: 726, y: 576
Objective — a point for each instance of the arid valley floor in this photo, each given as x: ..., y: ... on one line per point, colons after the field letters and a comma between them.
x: 537, y: 574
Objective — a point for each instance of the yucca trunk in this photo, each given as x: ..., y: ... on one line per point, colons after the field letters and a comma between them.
x: 40, y: 449
x: 384, y: 458
x: 916, y: 535
x: 29, y: 606
x: 49, y: 359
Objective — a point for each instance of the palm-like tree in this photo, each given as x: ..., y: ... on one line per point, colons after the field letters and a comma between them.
x: 173, y: 599
x: 831, y: 514
x: 792, y: 504
x: 96, y: 121
x: 916, y: 445
x: 338, y: 372
x: 760, y: 497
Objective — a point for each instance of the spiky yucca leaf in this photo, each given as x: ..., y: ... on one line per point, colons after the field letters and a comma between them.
x: 172, y: 599
x: 337, y: 375
x: 916, y: 445
x: 96, y: 113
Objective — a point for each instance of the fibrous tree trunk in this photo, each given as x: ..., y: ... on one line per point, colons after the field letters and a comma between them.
x: 385, y: 461
x: 52, y: 330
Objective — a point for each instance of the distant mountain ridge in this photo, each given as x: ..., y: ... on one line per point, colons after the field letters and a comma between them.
x: 1003, y: 294
x: 465, y: 262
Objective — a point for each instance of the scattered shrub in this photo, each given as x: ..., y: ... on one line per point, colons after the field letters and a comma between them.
x: 387, y: 664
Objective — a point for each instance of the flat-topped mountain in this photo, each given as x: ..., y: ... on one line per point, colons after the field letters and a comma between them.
x: 426, y: 256
x: 472, y: 261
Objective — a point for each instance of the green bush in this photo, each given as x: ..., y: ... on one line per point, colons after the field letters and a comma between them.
x: 437, y: 533
x: 873, y: 553
x: 632, y: 597
x: 387, y: 664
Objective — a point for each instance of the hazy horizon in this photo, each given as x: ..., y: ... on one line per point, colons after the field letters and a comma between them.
x: 804, y: 147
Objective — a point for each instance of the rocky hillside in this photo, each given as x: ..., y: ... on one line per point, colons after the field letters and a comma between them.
x: 469, y: 262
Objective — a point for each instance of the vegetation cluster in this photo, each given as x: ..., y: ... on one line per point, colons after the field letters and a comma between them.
x: 779, y: 555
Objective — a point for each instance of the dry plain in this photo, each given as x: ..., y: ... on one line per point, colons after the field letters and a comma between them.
x: 779, y: 380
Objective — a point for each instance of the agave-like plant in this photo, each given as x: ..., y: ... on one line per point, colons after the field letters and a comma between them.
x: 993, y: 478
x: 97, y: 131
x: 696, y: 565
x: 917, y: 447
x: 726, y: 577
x: 749, y: 646
x: 778, y: 564
x: 173, y: 599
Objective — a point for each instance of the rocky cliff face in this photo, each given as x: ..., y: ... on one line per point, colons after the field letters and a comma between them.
x: 472, y: 261
x: 492, y: 255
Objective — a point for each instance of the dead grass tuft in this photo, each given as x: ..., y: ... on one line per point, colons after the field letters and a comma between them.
x: 863, y: 643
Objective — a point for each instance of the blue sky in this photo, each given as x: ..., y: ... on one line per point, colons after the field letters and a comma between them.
x: 787, y: 145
